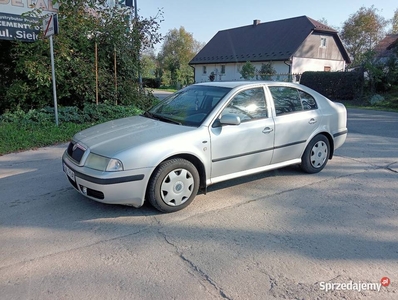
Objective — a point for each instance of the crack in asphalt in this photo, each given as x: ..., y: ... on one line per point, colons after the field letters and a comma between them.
x: 297, y: 188
x: 204, y: 275
x: 371, y: 168
x: 196, y: 269
x: 389, y: 167
x: 375, y: 166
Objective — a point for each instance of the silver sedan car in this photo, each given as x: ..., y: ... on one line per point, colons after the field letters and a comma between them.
x: 201, y: 135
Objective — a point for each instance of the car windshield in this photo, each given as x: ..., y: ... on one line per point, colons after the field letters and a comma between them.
x: 189, y: 106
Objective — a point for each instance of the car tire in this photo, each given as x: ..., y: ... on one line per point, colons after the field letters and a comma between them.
x: 316, y: 155
x: 173, y: 185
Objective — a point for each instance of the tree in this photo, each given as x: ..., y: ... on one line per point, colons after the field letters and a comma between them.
x: 178, y: 48
x: 148, y: 64
x: 248, y: 71
x: 394, y: 21
x: 362, y: 31
x: 325, y: 22
x: 83, y: 26
x: 267, y: 71
x: 7, y: 74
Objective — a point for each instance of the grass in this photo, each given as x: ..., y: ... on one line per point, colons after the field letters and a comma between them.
x: 36, y: 128
x: 17, y: 137
x: 390, y: 103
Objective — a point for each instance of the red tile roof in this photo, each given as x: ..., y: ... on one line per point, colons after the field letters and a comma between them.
x: 385, y: 47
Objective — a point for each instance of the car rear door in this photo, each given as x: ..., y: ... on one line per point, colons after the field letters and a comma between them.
x: 297, y: 117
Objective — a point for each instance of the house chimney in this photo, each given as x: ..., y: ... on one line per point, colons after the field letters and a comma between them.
x: 256, y: 22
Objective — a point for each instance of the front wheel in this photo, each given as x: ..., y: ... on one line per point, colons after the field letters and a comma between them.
x: 173, y: 185
x: 316, y: 154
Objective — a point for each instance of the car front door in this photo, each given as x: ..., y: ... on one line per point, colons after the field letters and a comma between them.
x: 241, y: 148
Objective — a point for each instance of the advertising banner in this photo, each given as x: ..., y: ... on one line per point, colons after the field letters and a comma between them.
x: 14, y: 26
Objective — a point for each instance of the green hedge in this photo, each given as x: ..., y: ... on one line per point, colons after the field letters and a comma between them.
x: 335, y: 85
x: 90, y: 113
x: 22, y: 130
x: 151, y: 82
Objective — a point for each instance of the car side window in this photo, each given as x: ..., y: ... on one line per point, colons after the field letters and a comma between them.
x: 248, y: 105
x: 286, y: 99
x: 307, y: 101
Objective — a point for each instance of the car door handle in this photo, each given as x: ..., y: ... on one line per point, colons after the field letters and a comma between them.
x: 267, y: 130
x: 312, y: 121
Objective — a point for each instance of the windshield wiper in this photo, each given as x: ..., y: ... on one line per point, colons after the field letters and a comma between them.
x: 160, y: 118
x: 165, y: 119
x: 148, y: 115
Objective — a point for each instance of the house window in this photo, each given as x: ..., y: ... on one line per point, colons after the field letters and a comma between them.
x: 326, y: 68
x: 222, y: 69
x: 323, y: 42
x: 204, y: 70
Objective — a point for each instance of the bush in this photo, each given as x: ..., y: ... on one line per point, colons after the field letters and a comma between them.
x: 90, y: 113
x: 36, y: 128
x: 105, y: 112
x: 248, y: 71
x: 85, y: 50
x: 335, y: 85
x: 151, y: 82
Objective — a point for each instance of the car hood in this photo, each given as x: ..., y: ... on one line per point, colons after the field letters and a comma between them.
x: 116, y: 136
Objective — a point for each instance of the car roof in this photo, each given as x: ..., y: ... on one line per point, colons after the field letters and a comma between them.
x: 228, y: 84
x: 234, y: 84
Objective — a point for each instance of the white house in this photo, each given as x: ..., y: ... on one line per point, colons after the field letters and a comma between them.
x: 292, y: 46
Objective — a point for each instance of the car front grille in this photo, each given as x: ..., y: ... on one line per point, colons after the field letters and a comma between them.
x: 76, y: 151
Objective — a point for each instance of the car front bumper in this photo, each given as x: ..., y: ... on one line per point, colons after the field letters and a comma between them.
x: 126, y: 187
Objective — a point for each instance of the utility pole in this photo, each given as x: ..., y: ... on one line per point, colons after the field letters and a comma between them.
x: 130, y: 4
x: 138, y: 54
x: 50, y: 27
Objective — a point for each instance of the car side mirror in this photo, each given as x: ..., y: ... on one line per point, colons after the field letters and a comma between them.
x: 229, y: 119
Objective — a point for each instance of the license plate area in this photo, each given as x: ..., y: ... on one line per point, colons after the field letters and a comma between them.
x: 69, y: 172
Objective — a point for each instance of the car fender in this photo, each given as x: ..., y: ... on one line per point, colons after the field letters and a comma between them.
x: 325, y: 130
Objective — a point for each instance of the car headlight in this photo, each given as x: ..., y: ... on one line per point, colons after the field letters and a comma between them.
x: 102, y: 163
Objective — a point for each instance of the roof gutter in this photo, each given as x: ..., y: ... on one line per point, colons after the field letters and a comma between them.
x: 289, y: 64
x: 194, y: 73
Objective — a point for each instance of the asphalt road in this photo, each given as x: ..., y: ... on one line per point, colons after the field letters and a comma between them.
x: 161, y: 94
x: 276, y: 235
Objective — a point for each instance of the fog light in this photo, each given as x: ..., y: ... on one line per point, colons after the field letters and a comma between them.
x: 84, y: 190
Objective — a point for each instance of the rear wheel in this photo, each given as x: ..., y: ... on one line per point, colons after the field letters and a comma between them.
x: 316, y: 154
x: 173, y: 185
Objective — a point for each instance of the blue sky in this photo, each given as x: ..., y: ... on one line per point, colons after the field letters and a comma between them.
x: 204, y: 18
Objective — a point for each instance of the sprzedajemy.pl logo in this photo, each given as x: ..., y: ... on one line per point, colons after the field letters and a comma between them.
x: 354, y: 286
